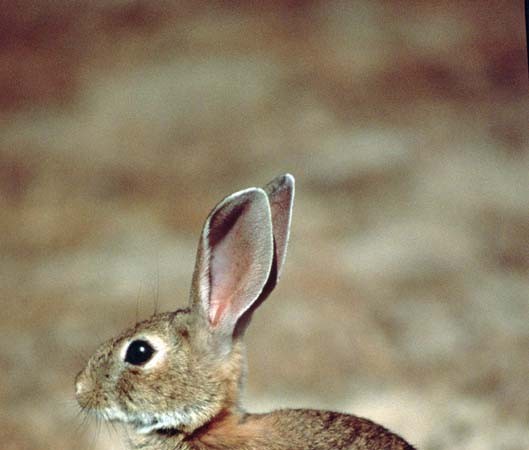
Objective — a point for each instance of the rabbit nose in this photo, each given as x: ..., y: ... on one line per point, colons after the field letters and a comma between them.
x: 83, y: 385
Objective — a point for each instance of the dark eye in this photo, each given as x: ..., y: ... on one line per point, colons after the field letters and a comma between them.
x: 139, y: 352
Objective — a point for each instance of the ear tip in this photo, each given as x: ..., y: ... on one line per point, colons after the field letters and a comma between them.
x: 289, y: 182
x: 249, y: 194
x: 288, y: 178
x: 285, y: 182
x: 255, y: 196
x: 258, y: 194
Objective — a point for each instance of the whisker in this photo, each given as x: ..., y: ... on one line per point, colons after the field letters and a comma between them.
x: 127, y: 432
x: 83, y: 417
x: 157, y: 291
x: 80, y: 419
x: 138, y: 298
x: 97, y: 431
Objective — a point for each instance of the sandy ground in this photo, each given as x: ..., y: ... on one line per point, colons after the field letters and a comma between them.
x: 405, y: 296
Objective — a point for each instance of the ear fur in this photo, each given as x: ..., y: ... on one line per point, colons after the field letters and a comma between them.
x: 234, y: 259
x: 280, y: 192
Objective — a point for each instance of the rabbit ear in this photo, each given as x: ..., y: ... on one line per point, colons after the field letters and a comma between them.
x: 234, y: 259
x: 280, y: 192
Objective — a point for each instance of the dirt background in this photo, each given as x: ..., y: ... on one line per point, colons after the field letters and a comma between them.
x: 405, y: 296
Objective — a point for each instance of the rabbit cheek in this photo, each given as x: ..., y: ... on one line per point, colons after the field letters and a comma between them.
x: 136, y: 390
x: 129, y: 390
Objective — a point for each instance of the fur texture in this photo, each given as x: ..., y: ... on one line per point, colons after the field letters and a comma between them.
x: 174, y: 379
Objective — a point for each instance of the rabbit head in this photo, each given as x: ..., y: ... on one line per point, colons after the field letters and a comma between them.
x: 178, y: 370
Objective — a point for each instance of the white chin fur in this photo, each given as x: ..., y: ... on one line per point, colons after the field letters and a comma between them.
x: 145, y: 423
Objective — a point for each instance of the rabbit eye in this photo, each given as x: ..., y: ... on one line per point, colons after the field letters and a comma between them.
x: 139, y: 352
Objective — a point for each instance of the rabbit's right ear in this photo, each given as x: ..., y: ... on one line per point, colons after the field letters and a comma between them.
x: 280, y: 192
x: 234, y: 259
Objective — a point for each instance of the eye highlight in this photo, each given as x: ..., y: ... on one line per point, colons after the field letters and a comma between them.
x: 139, y: 352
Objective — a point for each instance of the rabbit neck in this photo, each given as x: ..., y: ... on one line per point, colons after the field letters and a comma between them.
x: 232, y: 429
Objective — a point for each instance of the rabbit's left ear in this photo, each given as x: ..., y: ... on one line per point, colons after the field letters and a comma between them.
x: 234, y: 259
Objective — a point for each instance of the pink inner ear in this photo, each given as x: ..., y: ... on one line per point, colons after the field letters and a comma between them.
x: 218, y: 311
x: 229, y: 265
x: 221, y: 285
x: 235, y: 257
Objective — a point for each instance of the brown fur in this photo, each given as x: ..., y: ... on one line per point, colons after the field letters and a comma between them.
x: 185, y: 396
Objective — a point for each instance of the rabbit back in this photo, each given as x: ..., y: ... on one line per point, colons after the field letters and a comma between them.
x: 310, y: 429
x: 286, y: 429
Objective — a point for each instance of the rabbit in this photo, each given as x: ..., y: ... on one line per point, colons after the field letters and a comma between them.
x: 174, y: 379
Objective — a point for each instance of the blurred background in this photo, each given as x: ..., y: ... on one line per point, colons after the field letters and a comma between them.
x: 405, y: 296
